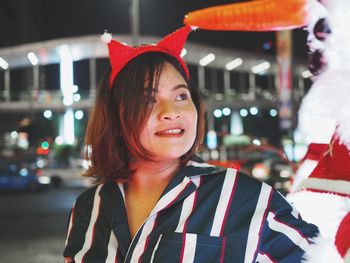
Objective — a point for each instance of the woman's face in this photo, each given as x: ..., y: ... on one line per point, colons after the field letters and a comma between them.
x: 171, y: 128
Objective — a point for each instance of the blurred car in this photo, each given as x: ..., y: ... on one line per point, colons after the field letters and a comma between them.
x: 66, y: 176
x: 276, y: 172
x: 264, y: 162
x: 22, y: 176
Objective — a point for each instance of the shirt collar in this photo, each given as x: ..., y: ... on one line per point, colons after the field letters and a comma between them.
x: 180, y: 186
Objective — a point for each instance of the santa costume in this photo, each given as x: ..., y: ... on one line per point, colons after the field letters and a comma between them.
x: 324, y: 200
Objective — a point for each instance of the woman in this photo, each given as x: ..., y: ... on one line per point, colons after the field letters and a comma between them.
x: 157, y: 202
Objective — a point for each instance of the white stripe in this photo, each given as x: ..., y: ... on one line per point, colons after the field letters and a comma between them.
x: 190, y: 248
x: 223, y: 202
x: 149, y: 222
x: 294, y: 211
x: 256, y: 222
x: 170, y: 196
x: 112, y: 249
x: 187, y: 208
x: 121, y: 188
x: 262, y: 258
x: 140, y: 246
x: 337, y: 186
x: 89, y: 233
x: 70, y: 225
x: 155, y: 248
x: 290, y: 232
x: 195, y: 164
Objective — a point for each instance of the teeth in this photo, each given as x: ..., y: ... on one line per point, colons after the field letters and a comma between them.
x: 173, y: 131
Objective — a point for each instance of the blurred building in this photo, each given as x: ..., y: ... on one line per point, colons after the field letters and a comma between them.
x: 53, y: 84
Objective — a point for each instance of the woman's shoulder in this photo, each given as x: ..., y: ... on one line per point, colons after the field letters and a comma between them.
x: 87, y: 197
x: 218, y: 176
x: 200, y: 167
x: 99, y: 192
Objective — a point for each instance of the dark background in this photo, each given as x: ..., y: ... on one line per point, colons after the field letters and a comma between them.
x: 26, y: 21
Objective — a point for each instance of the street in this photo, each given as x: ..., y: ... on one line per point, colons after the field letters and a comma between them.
x: 33, y: 225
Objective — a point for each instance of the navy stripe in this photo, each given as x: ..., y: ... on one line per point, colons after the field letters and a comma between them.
x: 194, y: 171
x: 82, y: 214
x: 133, y: 243
x: 277, y: 244
x: 283, y: 209
x: 208, y: 249
x: 279, y: 247
x: 242, y: 209
x: 202, y: 217
x: 169, y: 242
x: 120, y: 256
x: 99, y: 245
x: 114, y: 208
x: 167, y: 222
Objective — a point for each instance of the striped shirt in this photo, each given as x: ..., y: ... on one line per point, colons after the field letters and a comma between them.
x: 206, y: 214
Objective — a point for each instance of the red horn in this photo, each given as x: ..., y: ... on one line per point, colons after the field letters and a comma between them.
x: 120, y: 54
x: 175, y: 41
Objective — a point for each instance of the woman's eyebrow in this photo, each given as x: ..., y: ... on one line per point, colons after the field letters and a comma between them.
x: 175, y: 88
x: 179, y: 86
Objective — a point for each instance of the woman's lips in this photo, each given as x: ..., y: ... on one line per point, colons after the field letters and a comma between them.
x: 170, y: 132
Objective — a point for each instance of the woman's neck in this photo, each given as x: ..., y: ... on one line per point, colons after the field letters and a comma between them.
x: 150, y: 175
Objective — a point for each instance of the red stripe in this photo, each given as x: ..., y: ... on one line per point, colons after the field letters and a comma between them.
x: 223, y: 249
x: 93, y: 232
x: 183, y: 247
x: 269, y: 256
x: 155, y: 223
x: 116, y: 256
x: 228, y: 206
x: 148, y: 237
x: 263, y: 220
x: 173, y: 201
x: 193, y: 205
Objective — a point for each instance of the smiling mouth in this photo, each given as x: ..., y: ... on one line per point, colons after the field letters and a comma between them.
x: 170, y: 132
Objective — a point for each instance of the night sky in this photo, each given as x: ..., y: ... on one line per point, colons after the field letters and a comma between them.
x: 26, y: 21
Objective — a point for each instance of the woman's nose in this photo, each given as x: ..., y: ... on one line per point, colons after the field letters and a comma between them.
x: 168, y: 112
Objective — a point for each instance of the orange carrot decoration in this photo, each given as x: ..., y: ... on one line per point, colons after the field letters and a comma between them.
x: 258, y: 15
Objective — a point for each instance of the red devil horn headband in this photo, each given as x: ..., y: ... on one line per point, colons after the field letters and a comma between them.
x: 120, y: 54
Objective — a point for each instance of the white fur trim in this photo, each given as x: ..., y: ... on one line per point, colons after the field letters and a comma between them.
x: 322, y: 209
x: 106, y: 38
x: 303, y: 172
x: 335, y: 186
x: 322, y: 251
x: 347, y: 256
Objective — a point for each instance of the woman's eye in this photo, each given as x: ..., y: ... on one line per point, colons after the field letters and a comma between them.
x: 181, y: 97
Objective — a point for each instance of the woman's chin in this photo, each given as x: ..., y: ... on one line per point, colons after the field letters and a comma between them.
x: 168, y: 156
